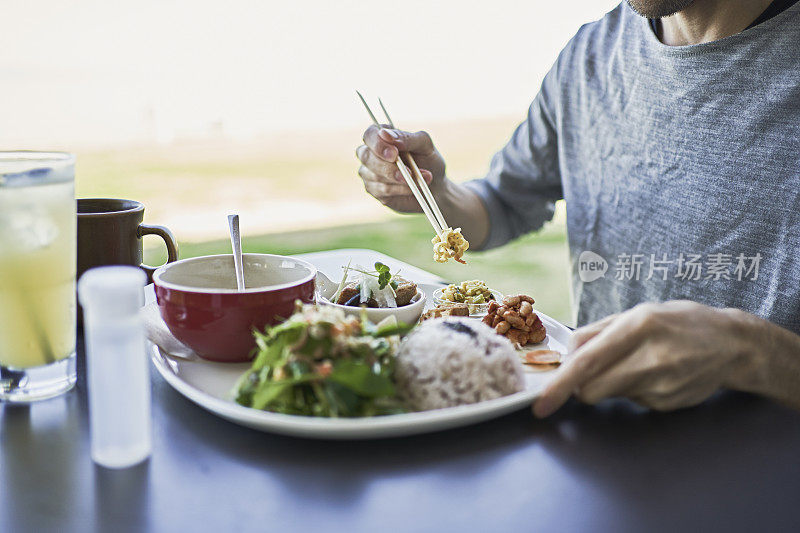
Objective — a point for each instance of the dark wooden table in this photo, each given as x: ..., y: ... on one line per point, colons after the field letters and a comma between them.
x: 732, y: 464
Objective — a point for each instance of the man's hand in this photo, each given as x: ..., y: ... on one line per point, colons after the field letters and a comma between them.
x: 664, y: 356
x: 380, y: 174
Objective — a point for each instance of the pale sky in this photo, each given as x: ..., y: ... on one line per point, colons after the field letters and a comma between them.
x: 102, y: 72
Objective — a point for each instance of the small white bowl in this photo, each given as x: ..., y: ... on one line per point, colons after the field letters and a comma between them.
x: 408, y: 314
x: 475, y: 310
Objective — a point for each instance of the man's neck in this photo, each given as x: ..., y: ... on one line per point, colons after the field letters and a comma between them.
x: 709, y: 20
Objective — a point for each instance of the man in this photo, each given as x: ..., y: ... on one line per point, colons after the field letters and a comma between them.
x: 672, y: 130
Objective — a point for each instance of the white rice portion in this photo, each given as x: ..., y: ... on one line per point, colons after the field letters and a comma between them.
x: 455, y: 361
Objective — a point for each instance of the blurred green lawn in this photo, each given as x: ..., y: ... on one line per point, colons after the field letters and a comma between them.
x: 536, y: 264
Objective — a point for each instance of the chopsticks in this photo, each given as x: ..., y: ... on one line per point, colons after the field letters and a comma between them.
x: 426, y: 191
x: 419, y: 187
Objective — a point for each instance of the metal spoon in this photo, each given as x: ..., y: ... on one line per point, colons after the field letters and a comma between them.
x: 236, y: 245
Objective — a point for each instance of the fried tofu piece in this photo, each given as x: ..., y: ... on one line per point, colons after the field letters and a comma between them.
x: 404, y: 293
x: 346, y: 294
x: 446, y: 310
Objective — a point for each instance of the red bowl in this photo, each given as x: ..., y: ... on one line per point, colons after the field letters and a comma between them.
x: 199, y: 302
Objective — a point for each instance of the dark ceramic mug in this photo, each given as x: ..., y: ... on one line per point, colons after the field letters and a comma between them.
x: 110, y: 232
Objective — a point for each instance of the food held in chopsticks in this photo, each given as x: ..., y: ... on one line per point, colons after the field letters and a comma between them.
x: 455, y: 361
x: 322, y: 363
x: 449, y: 244
x: 516, y: 320
x: 374, y: 288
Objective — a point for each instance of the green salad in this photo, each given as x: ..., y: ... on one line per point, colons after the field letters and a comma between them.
x: 320, y: 362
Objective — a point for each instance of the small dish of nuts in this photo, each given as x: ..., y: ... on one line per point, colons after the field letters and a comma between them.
x: 515, y: 319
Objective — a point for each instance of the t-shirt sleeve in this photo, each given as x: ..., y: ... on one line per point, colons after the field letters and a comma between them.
x: 524, y: 182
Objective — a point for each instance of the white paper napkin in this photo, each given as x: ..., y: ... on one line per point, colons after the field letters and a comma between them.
x: 158, y: 333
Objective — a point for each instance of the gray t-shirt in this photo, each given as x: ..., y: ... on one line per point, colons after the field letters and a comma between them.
x: 680, y: 167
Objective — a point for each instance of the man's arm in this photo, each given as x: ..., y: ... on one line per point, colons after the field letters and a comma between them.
x: 676, y: 354
x: 772, y: 361
x: 460, y: 206
x: 517, y: 196
x: 463, y: 208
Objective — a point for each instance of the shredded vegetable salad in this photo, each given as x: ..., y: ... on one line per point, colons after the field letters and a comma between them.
x: 320, y: 362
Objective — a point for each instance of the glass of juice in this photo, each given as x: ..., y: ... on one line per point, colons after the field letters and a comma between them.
x: 37, y: 275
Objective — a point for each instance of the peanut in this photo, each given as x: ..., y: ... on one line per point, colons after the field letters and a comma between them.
x: 515, y: 320
x: 502, y: 327
x: 537, y: 335
x: 520, y: 337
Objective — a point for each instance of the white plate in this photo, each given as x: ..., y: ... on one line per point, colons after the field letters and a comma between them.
x: 209, y: 385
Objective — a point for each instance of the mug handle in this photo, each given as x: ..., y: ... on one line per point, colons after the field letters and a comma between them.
x: 169, y: 241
